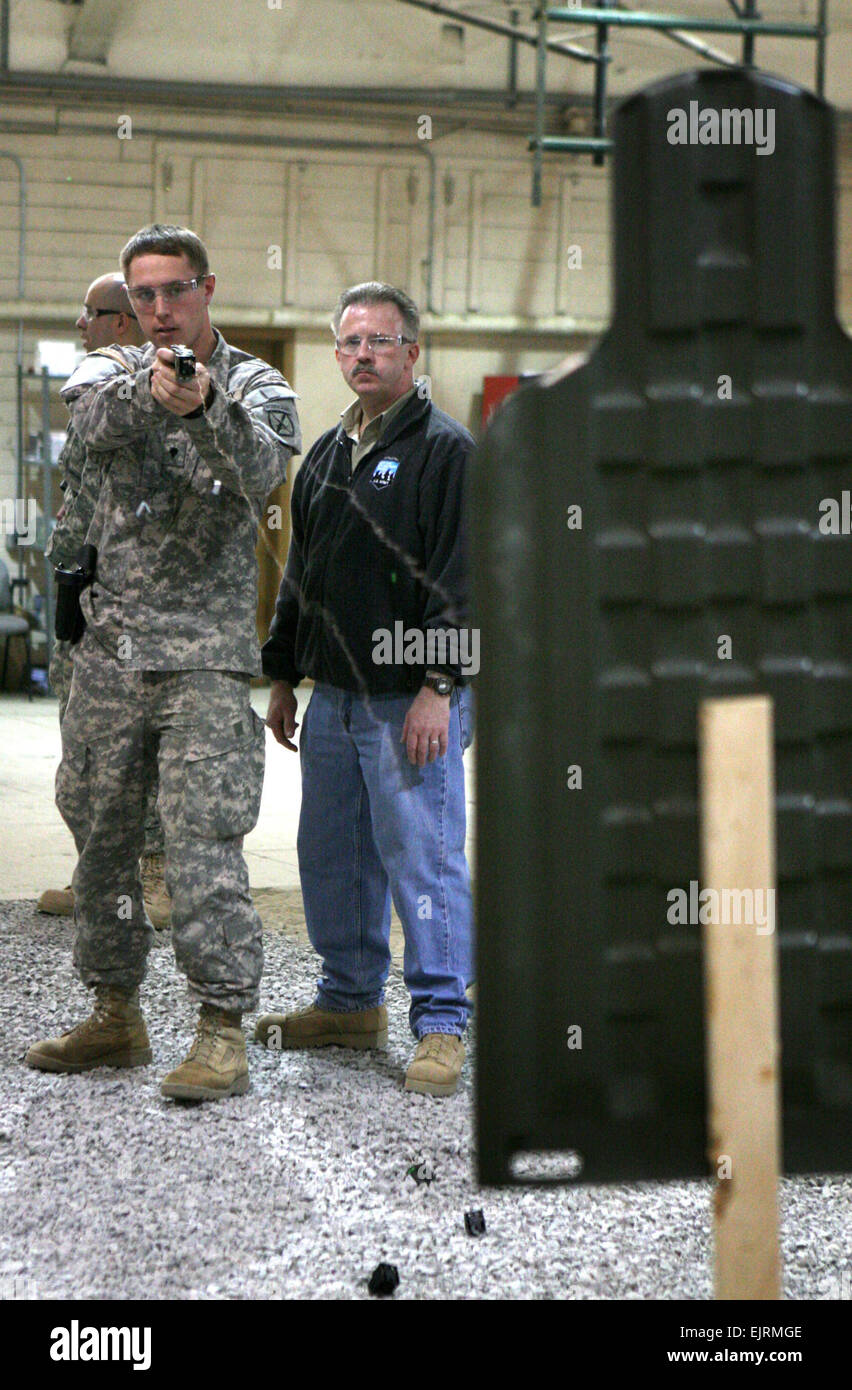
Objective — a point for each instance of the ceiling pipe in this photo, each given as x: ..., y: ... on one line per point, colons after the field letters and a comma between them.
x: 19, y: 355
x: 242, y: 97
x: 4, y: 37
x: 22, y: 217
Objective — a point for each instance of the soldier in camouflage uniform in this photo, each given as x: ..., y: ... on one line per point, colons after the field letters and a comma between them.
x: 106, y: 318
x: 162, y: 673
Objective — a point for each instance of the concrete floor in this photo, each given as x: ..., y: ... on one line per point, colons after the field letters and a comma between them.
x: 36, y: 849
x: 301, y: 1187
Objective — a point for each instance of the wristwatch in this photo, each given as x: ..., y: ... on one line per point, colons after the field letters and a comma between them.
x: 439, y: 682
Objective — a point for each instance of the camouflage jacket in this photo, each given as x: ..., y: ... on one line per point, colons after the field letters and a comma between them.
x: 64, y: 543
x: 175, y: 506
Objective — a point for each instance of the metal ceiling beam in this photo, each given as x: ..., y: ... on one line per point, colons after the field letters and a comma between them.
x: 4, y: 36
x: 603, y: 57
x: 573, y: 144
x: 91, y: 32
x: 245, y: 97
x: 642, y: 19
x: 497, y: 26
x: 822, y: 21
x: 749, y: 12
x: 612, y: 12
x: 714, y: 55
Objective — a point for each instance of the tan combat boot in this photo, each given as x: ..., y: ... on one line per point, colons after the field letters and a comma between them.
x: 313, y: 1027
x: 113, y: 1036
x: 158, y: 904
x: 58, y: 902
x: 216, y: 1065
x: 437, y: 1065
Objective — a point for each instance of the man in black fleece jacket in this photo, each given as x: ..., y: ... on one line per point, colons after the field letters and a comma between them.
x: 373, y: 607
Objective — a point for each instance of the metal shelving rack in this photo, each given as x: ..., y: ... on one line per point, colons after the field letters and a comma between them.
x: 744, y: 22
x: 29, y: 570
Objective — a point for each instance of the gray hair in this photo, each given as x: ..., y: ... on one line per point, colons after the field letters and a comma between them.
x: 375, y: 292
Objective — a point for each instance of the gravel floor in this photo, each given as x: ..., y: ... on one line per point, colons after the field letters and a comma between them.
x: 300, y: 1188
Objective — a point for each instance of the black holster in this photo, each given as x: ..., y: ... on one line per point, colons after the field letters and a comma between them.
x: 70, y: 583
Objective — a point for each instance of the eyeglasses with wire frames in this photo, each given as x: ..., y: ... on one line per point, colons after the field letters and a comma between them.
x: 376, y: 342
x: 175, y: 289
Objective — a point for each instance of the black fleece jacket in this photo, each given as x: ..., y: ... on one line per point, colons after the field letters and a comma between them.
x: 382, y: 547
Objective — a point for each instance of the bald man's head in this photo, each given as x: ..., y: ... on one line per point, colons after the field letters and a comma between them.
x: 107, y: 316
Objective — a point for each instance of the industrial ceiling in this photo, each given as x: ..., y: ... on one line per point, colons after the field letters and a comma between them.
x: 319, y: 49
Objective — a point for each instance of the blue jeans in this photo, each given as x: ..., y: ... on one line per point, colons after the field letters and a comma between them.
x: 371, y: 826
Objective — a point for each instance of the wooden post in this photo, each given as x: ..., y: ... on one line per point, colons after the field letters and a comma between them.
x: 736, y: 776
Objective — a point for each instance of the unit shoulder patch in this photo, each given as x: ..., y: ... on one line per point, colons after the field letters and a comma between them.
x: 280, y: 417
x: 275, y: 402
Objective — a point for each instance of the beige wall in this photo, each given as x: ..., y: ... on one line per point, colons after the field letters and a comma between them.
x: 337, y: 216
x: 322, y: 390
x: 288, y: 228
x: 455, y: 365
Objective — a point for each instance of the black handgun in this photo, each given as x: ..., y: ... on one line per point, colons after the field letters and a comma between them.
x: 184, y: 362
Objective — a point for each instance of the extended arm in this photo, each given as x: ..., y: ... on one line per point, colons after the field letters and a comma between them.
x: 247, y: 443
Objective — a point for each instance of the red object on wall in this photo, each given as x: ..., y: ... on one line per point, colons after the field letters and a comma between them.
x: 494, y: 390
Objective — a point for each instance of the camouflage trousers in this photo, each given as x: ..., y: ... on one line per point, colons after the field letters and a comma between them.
x: 199, y: 730
x: 61, y: 671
